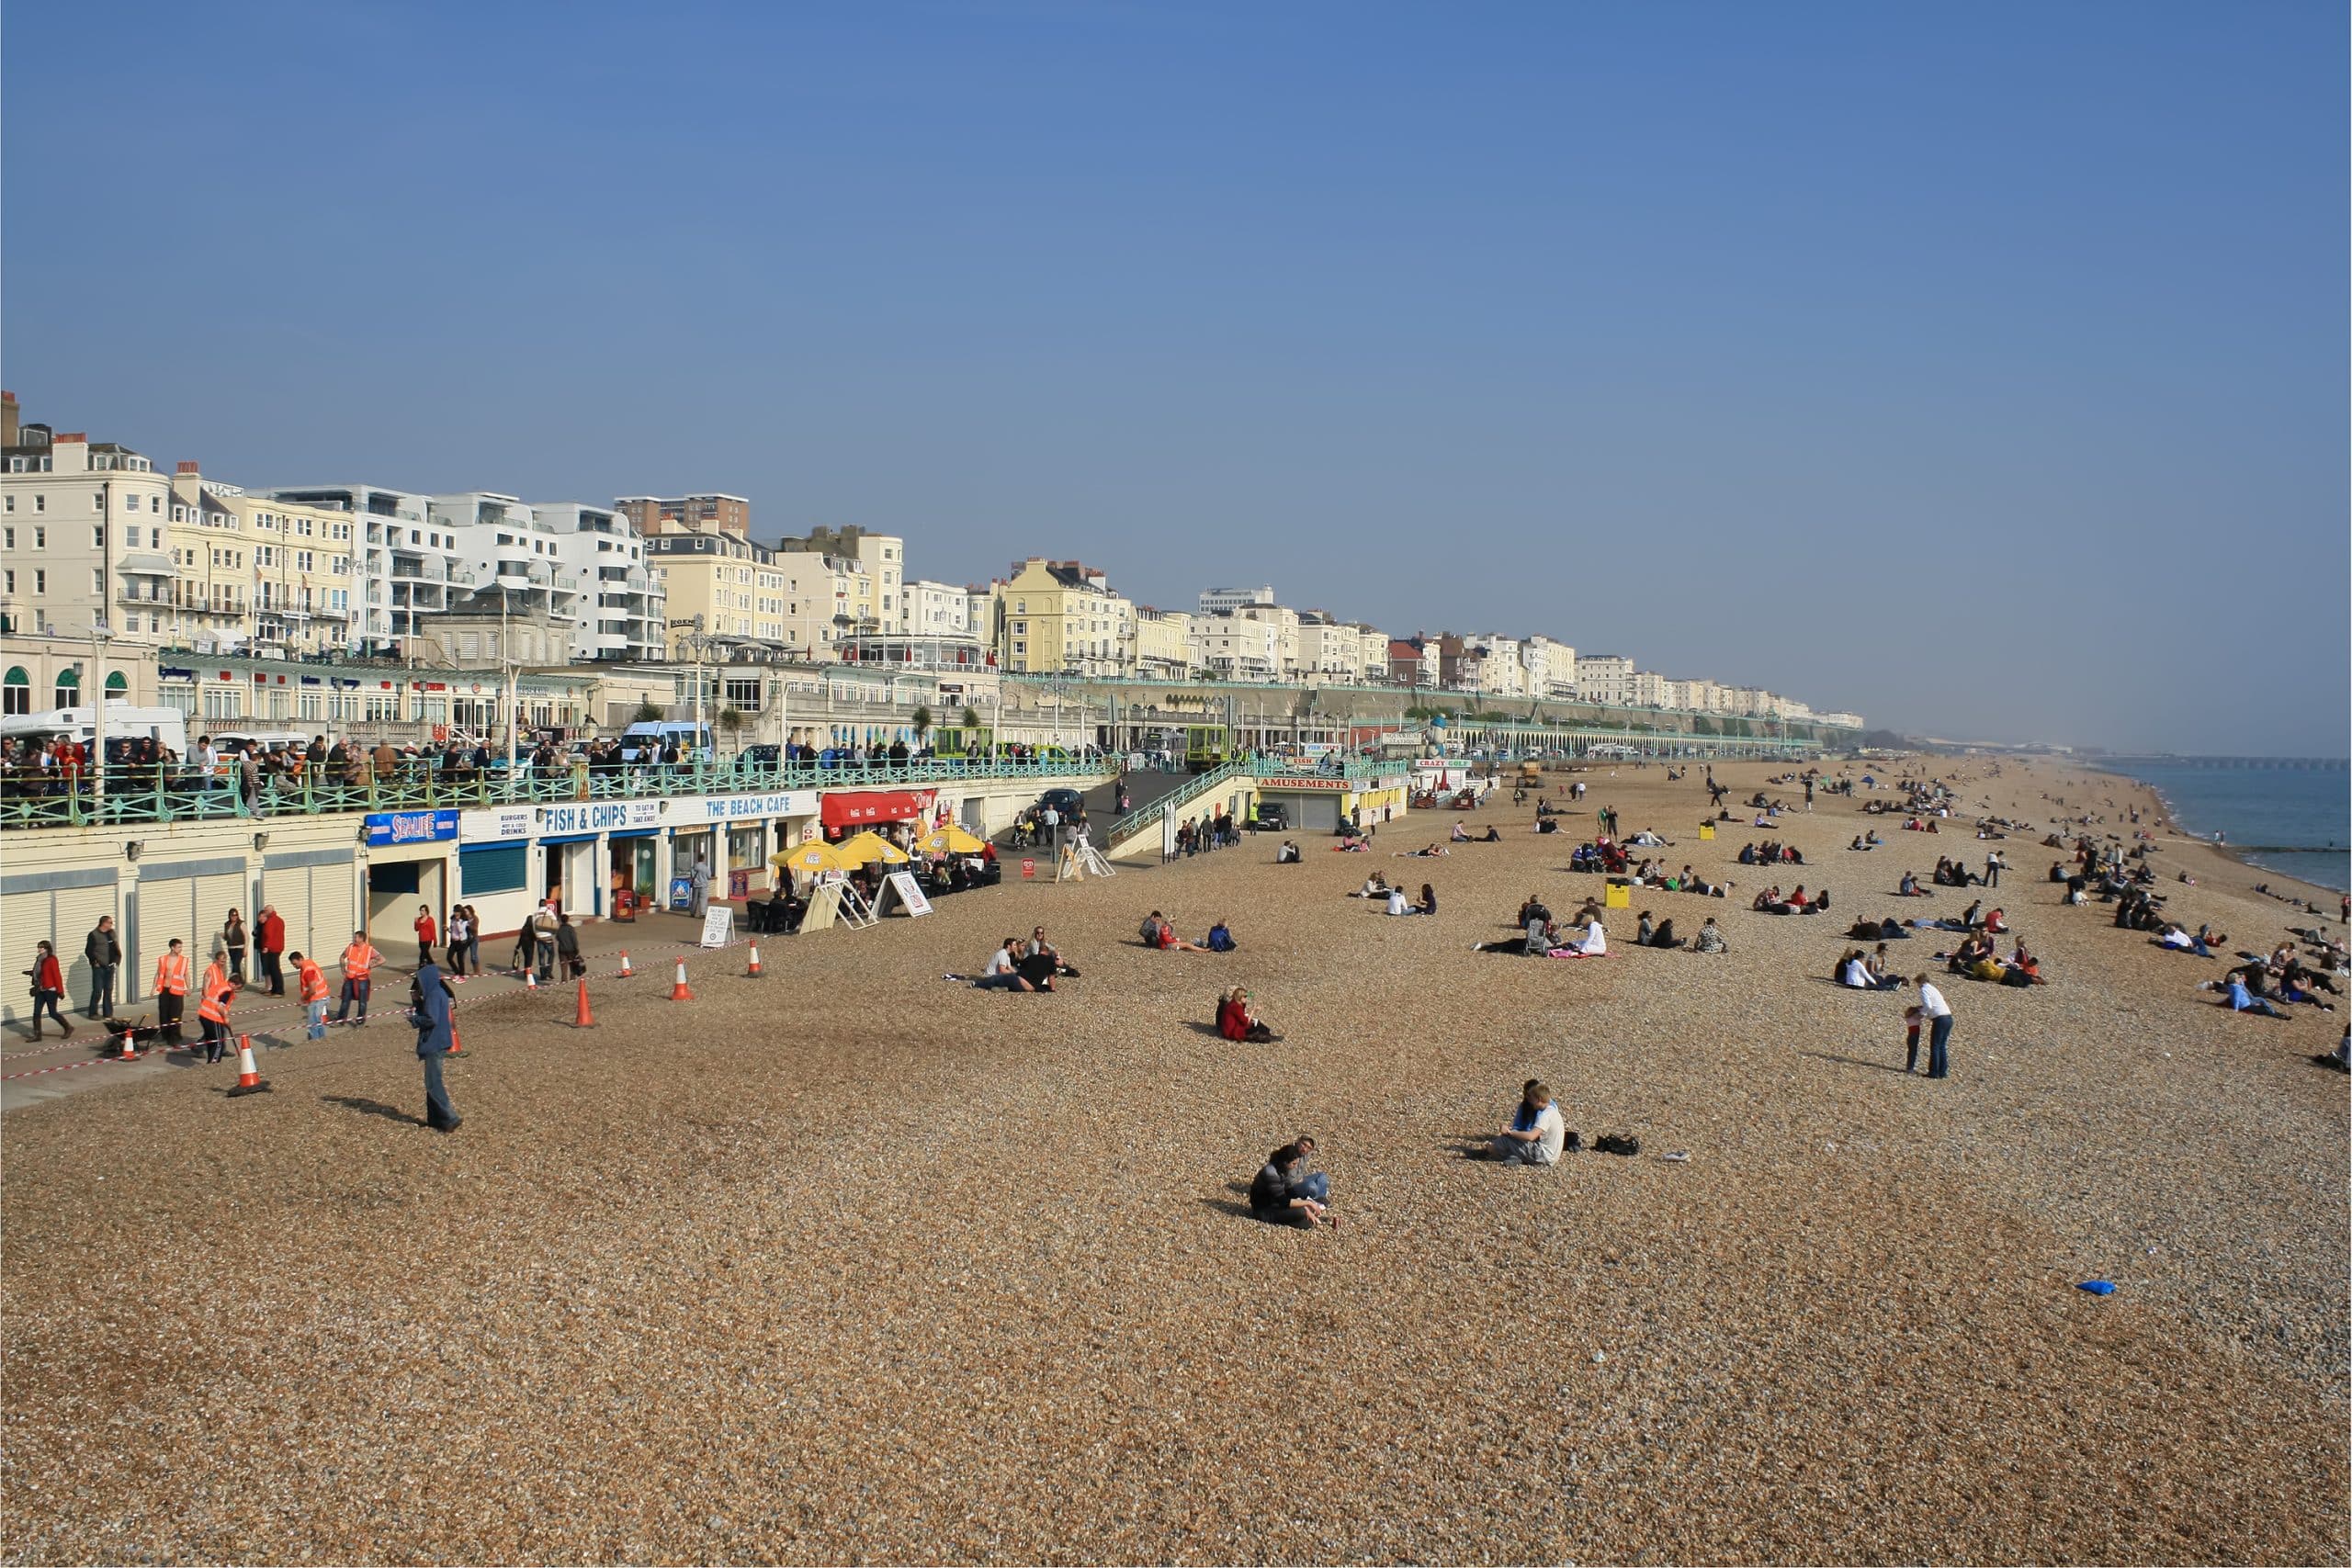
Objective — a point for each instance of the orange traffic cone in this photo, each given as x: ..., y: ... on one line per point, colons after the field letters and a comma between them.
x: 583, y: 1018
x: 248, y: 1076
x: 130, y: 1050
x: 627, y: 973
x: 530, y: 979
x: 753, y: 973
x: 456, y: 1049
x: 678, y: 993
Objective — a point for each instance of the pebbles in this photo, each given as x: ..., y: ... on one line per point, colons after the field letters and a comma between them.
x: 847, y: 1263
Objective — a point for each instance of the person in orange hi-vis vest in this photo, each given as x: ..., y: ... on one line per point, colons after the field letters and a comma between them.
x: 212, y: 1009
x: 359, y: 962
x: 171, y: 991
x: 312, y: 981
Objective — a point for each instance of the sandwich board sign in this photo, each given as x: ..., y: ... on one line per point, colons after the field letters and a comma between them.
x: 718, y: 926
x: 902, y: 883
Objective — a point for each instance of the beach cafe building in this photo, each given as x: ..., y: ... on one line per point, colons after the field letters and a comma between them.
x: 329, y: 874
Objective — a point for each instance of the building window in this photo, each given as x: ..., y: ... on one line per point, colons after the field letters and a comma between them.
x: 41, y: 503
x: 98, y: 500
x: 99, y: 582
x: 41, y: 539
x: 40, y: 583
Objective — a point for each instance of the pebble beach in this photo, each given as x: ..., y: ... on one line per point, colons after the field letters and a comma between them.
x: 850, y: 1263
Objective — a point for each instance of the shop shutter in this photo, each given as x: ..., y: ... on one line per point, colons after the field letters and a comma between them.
x: 214, y: 897
x: 501, y: 868
x: 164, y: 909
x: 25, y: 917
x: 74, y: 917
x: 332, y: 916
x: 1317, y: 813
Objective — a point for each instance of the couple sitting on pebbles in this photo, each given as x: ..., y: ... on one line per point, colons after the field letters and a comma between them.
x: 1160, y: 935
x: 1017, y: 965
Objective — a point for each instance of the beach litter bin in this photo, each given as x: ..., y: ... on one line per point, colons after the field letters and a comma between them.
x: 1620, y: 895
x: 1706, y: 829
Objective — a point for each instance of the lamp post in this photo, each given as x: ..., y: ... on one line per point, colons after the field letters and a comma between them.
x: 99, y: 632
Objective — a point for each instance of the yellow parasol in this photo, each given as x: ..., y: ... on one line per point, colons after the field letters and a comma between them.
x: 869, y: 846
x: 813, y: 858
x: 950, y: 840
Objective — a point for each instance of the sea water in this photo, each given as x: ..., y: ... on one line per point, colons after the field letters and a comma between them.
x: 2304, y: 807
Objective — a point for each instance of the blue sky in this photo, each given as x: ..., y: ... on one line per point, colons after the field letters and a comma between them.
x: 1981, y: 367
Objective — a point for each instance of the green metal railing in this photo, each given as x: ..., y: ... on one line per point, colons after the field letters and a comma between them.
x: 135, y: 795
x: 1127, y: 828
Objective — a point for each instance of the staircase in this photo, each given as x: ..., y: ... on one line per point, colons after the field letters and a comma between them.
x: 1148, y: 819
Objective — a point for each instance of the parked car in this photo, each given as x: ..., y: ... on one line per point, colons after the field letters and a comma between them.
x: 1270, y: 816
x: 1068, y: 802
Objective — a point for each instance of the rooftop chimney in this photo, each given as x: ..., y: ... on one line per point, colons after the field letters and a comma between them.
x: 188, y: 466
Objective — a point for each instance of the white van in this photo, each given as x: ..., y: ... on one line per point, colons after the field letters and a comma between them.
x: 693, y: 744
x: 168, y: 726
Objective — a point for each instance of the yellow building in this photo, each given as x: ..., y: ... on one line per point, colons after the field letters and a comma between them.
x: 257, y: 572
x: 1062, y: 617
x: 716, y: 577
x: 1163, y: 645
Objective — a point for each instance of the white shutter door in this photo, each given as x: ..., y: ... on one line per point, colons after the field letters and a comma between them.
x: 286, y: 890
x: 166, y: 909
x: 76, y: 916
x: 215, y: 897
x: 332, y: 920
x: 24, y: 920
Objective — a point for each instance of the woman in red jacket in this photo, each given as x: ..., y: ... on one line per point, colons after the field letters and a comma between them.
x: 48, y: 989
x: 1237, y: 1022
x: 426, y: 933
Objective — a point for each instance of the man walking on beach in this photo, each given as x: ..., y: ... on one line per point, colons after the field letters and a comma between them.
x: 1992, y: 864
x: 1937, y: 1013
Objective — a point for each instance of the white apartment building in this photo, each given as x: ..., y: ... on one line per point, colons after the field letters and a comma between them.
x: 83, y: 537
x: 1249, y: 642
x: 405, y: 564
x: 1605, y: 678
x: 1225, y: 601
x: 1330, y: 651
x: 1649, y: 689
x: 623, y: 606
x: 1549, y: 667
x: 1488, y: 664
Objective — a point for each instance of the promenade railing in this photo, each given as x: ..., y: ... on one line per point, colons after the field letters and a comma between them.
x: 147, y: 795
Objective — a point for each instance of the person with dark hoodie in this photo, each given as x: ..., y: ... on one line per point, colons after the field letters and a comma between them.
x: 430, y: 997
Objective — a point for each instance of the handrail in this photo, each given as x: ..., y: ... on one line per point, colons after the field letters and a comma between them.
x: 1126, y: 827
x: 146, y: 794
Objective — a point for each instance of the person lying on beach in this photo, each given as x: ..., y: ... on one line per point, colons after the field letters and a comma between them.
x: 1494, y: 835
x: 2238, y: 999
x: 1430, y: 853
x: 1273, y: 1199
x: 1159, y: 934
x: 1536, y: 1134
x: 1239, y: 1022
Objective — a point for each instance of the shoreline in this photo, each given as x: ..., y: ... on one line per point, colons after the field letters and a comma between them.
x: 2188, y: 835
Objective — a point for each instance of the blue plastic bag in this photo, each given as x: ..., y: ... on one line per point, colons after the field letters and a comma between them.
x: 2098, y: 1287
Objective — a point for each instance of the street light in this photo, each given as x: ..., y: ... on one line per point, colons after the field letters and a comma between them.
x: 99, y: 632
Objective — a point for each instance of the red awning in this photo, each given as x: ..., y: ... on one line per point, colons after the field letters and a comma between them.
x: 863, y: 808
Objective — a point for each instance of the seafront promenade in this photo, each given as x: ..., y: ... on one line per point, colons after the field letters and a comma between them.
x: 850, y: 1261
